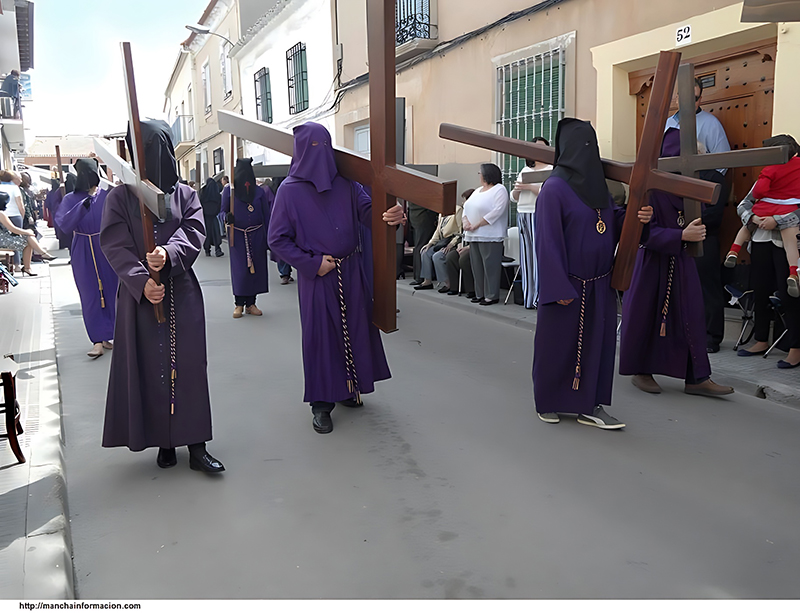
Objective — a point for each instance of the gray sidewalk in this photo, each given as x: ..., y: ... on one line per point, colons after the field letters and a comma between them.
x: 35, y: 547
x: 755, y: 376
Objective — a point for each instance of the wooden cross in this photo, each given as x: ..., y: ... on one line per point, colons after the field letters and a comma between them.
x: 642, y: 176
x: 62, y: 187
x: 140, y: 179
x: 388, y: 180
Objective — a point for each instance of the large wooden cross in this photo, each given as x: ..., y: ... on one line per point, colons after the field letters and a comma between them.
x: 642, y: 176
x: 140, y: 182
x: 387, y: 180
x: 62, y: 187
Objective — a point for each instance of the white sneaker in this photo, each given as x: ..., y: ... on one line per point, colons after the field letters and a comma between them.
x: 549, y: 418
x: 600, y: 419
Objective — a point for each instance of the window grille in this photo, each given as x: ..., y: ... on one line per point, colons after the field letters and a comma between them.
x: 297, y: 72
x: 412, y: 20
x: 263, y: 95
x: 219, y: 160
x: 530, y: 102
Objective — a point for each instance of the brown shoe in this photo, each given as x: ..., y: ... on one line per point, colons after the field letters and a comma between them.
x: 96, y: 352
x: 253, y: 310
x: 707, y: 388
x: 108, y: 345
x: 646, y: 383
x: 238, y: 312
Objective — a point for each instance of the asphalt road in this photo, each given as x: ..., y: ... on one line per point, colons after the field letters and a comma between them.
x: 445, y: 485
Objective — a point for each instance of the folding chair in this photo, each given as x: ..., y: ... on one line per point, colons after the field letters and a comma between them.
x: 746, y: 302
x: 775, y: 302
x: 10, y: 406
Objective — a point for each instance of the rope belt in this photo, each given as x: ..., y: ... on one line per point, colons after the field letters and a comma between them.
x: 665, y: 308
x: 173, y: 343
x: 96, y: 271
x: 246, y: 232
x: 576, y: 382
x: 350, y: 366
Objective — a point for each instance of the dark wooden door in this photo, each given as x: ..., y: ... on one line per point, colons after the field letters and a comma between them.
x: 738, y: 90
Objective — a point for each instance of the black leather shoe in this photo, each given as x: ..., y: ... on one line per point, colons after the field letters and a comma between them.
x: 208, y: 254
x: 471, y: 295
x: 452, y: 293
x: 485, y: 302
x: 166, y: 458
x: 418, y: 287
x: 323, y: 424
x: 712, y: 349
x: 206, y: 463
x: 475, y: 299
x: 444, y: 290
x: 351, y: 404
x: 219, y: 254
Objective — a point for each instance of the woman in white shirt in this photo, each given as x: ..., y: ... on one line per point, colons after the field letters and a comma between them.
x: 525, y: 194
x: 485, y: 225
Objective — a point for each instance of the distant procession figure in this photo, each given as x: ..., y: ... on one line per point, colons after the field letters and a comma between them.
x: 249, y: 221
x: 211, y: 200
x: 577, y: 231
x: 663, y: 319
x: 80, y: 214
x: 321, y: 225
x: 158, y: 385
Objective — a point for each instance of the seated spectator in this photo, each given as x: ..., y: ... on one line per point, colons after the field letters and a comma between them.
x: 459, y: 264
x: 15, y: 238
x: 444, y: 240
x: 485, y: 223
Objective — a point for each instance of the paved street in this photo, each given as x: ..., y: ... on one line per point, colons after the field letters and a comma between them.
x: 444, y: 485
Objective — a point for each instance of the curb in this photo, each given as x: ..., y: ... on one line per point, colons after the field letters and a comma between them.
x: 778, y: 393
x: 48, y: 569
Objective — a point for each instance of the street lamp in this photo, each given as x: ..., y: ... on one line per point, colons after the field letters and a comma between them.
x: 198, y: 29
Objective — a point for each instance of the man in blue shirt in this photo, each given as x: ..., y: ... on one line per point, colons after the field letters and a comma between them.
x: 711, y: 135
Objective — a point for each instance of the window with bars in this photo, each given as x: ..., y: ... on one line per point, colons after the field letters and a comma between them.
x: 530, y: 102
x: 297, y: 73
x: 263, y: 95
x: 219, y: 160
x: 412, y: 20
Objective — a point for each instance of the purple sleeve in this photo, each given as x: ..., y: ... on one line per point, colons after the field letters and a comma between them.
x: 226, y: 200
x: 70, y: 213
x: 551, y: 248
x: 661, y: 239
x: 184, y: 245
x: 282, y: 239
x: 363, y: 204
x: 119, y: 247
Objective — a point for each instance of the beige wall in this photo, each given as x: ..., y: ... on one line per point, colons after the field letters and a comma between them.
x: 460, y: 86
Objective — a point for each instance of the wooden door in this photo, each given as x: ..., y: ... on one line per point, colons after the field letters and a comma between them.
x: 738, y: 90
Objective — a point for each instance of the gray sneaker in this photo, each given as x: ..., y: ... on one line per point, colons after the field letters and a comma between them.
x: 549, y: 418
x: 600, y: 419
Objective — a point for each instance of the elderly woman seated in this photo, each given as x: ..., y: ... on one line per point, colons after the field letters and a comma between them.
x: 444, y: 240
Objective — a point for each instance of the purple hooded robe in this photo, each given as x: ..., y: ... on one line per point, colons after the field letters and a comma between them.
x: 138, y: 405
x: 681, y: 352
x: 89, y: 265
x: 318, y: 212
x: 244, y: 282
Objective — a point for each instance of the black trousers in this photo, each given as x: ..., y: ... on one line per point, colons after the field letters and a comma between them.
x: 213, y: 234
x: 462, y: 263
x: 709, y: 269
x: 244, y: 301
x: 423, y: 222
x: 768, y: 272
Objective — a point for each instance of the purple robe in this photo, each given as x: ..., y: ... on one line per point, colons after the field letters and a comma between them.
x: 306, y: 225
x: 138, y: 405
x: 55, y: 198
x: 244, y: 282
x: 89, y: 266
x: 569, y: 248
x: 642, y: 348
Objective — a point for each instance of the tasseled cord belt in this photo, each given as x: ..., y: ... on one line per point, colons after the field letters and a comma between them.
x: 96, y: 270
x: 350, y: 365
x: 665, y: 308
x: 246, y: 232
x: 576, y: 382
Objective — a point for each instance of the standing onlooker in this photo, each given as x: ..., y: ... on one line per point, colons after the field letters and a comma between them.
x: 711, y: 135
x: 211, y: 201
x: 29, y: 199
x: 525, y: 194
x: 15, y: 209
x: 485, y: 224
x: 769, y: 268
x: 10, y: 89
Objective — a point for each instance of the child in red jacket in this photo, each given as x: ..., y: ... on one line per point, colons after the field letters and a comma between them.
x: 777, y: 192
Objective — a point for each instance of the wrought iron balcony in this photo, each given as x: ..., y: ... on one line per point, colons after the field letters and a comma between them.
x: 415, y: 27
x: 183, y: 129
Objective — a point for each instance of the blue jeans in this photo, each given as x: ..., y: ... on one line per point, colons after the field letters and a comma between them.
x: 284, y: 269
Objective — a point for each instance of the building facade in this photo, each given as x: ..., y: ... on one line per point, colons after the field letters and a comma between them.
x: 16, y: 54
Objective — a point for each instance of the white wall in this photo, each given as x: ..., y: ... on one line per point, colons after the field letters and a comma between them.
x: 303, y: 21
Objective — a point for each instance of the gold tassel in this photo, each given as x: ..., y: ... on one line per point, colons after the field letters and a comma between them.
x: 252, y: 269
x: 172, y: 410
x: 576, y: 382
x: 663, y: 328
x: 102, y: 300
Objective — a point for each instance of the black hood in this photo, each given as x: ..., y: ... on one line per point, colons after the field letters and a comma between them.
x: 244, y: 180
x: 160, y: 167
x: 578, y: 162
x: 88, y: 176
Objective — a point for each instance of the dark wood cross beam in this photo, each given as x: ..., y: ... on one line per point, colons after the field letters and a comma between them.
x: 62, y: 187
x: 387, y: 180
x: 690, y: 163
x: 139, y: 168
x: 642, y: 176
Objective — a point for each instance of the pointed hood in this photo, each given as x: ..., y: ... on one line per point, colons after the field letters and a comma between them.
x: 578, y: 162
x: 88, y: 174
x: 244, y: 180
x: 313, y: 159
x: 159, y: 154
